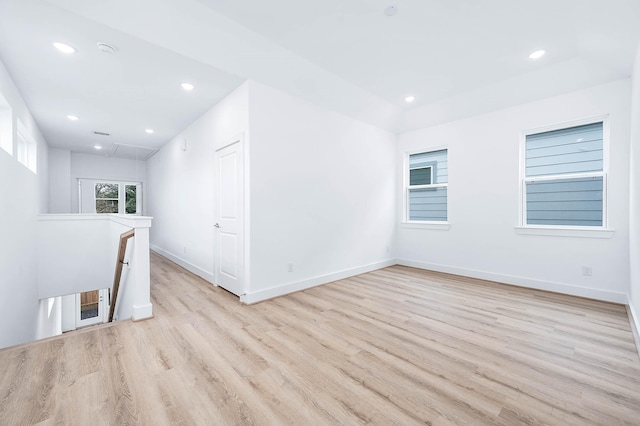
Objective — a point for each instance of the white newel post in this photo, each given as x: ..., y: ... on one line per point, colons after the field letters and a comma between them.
x: 142, y: 307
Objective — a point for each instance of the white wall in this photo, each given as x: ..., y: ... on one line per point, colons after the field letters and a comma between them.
x: 635, y: 194
x: 49, y: 318
x: 23, y: 195
x: 180, y: 189
x: 484, y: 199
x: 321, y: 191
x: 60, y: 181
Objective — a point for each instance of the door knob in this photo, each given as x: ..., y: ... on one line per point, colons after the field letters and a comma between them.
x: 217, y: 225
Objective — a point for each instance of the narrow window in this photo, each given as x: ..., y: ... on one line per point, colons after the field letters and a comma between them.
x: 564, y: 177
x: 6, y: 126
x: 426, y: 191
x: 130, y: 199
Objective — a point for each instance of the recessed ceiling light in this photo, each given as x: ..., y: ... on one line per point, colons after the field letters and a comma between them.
x: 537, y: 54
x: 148, y: 130
x: 409, y: 99
x: 187, y: 86
x: 72, y: 117
x: 64, y: 48
x: 97, y: 147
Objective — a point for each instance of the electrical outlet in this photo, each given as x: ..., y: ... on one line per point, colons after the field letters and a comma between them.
x: 587, y: 271
x: 290, y: 267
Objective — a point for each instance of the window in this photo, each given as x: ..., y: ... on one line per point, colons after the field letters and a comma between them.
x: 426, y: 190
x: 116, y: 197
x: 130, y: 201
x: 564, y: 182
x: 26, y: 149
x: 6, y: 128
x: 107, y: 197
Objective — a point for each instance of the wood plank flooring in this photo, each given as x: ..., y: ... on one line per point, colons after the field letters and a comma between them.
x: 398, y: 346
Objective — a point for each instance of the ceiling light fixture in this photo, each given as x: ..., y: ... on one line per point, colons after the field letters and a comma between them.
x: 148, y: 130
x: 106, y: 48
x: 537, y: 54
x: 409, y: 99
x: 64, y: 48
x: 391, y: 10
x: 98, y: 147
x: 187, y: 86
x: 72, y: 117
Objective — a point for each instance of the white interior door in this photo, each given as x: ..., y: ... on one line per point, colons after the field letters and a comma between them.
x: 229, y: 218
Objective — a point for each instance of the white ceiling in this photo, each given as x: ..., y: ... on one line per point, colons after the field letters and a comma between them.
x: 458, y: 57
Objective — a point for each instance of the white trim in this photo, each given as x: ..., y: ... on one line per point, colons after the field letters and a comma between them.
x: 141, y: 312
x: 440, y: 226
x: 564, y: 176
x: 635, y: 324
x: 206, y: 275
x: 567, y: 124
x: 270, y: 293
x: 591, y: 293
x: 559, y: 231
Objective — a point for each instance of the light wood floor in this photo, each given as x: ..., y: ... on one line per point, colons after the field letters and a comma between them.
x: 396, y: 346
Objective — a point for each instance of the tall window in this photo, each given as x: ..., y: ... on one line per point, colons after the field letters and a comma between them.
x: 6, y: 127
x: 27, y: 149
x: 564, y: 182
x: 426, y: 189
x: 130, y: 199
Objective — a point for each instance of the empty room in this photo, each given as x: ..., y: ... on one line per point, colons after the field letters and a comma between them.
x: 338, y: 212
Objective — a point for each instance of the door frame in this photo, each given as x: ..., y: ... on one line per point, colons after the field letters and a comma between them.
x: 243, y: 271
x: 103, y: 304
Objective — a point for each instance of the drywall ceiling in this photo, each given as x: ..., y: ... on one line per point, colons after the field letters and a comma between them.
x: 457, y: 57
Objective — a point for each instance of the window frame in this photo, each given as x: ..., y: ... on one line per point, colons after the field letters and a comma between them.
x: 423, y: 224
x: 581, y: 231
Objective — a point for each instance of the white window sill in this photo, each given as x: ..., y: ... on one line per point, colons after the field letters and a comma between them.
x: 565, y: 232
x: 440, y: 226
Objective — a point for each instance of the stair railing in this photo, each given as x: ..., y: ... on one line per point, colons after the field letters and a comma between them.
x: 124, y: 238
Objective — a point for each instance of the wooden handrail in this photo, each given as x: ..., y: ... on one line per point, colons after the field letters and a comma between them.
x: 118, y: 275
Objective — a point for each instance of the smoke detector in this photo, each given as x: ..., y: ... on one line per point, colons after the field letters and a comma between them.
x: 391, y: 10
x: 106, y: 48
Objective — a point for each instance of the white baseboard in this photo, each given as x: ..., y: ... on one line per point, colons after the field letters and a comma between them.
x: 607, y: 296
x: 206, y: 275
x: 141, y: 312
x: 635, y: 324
x: 270, y: 293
